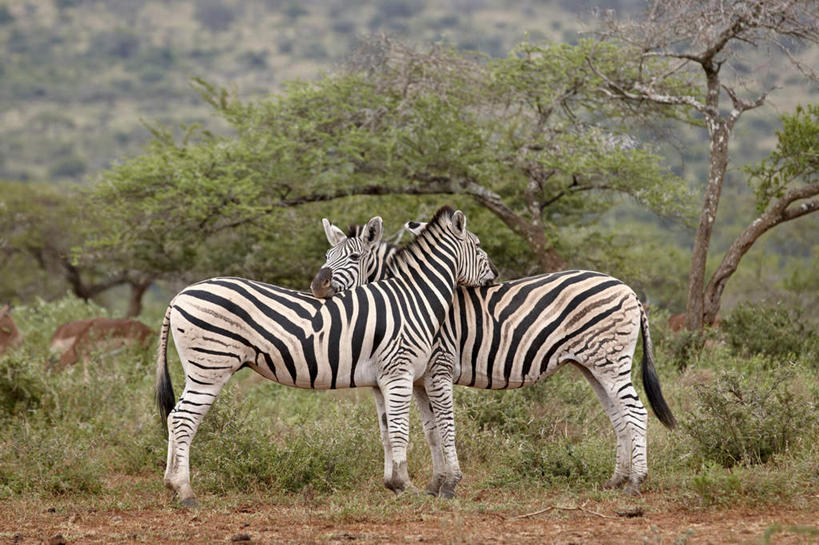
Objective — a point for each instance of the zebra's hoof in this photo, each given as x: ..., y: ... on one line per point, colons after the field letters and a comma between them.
x: 448, y: 489
x: 614, y: 482
x: 434, y: 486
x: 447, y: 493
x: 632, y: 489
x: 189, y: 503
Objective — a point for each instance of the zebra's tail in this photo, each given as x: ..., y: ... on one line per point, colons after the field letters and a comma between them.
x: 164, y: 389
x: 651, y: 382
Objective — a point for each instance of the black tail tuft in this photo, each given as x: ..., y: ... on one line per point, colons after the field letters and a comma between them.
x: 651, y: 381
x: 165, y: 398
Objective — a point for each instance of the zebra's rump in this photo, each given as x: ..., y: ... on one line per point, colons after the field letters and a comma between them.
x: 511, y: 334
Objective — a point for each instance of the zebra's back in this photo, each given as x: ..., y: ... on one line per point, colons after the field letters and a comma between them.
x: 287, y: 336
x: 511, y: 334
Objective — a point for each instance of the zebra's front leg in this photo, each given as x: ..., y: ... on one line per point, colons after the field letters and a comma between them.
x: 439, y: 389
x: 397, y: 391
x: 183, y: 421
x: 432, y: 436
x: 385, y: 434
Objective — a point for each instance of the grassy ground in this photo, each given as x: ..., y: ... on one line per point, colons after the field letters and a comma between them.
x: 87, y: 444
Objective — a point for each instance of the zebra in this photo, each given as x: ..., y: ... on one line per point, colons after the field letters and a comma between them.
x: 514, y: 333
x: 379, y: 335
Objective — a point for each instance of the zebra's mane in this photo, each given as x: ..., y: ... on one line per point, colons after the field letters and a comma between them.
x: 445, y: 212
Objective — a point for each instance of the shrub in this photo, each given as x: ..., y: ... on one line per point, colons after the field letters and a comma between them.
x: 748, y: 418
x: 215, y: 15
x: 21, y: 384
x: 773, y: 330
x: 67, y: 167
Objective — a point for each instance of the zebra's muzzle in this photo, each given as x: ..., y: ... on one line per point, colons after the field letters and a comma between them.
x: 322, y: 284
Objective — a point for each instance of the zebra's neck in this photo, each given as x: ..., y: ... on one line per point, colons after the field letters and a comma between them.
x: 380, y: 260
x: 429, y: 262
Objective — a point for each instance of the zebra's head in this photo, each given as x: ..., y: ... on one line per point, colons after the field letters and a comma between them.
x: 350, y: 259
x: 475, y: 266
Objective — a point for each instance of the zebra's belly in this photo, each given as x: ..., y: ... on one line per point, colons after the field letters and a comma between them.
x: 501, y: 373
x: 363, y: 374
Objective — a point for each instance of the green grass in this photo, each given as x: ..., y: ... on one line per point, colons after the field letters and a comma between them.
x: 92, y: 434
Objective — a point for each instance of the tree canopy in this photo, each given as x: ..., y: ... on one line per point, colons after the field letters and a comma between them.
x: 529, y: 138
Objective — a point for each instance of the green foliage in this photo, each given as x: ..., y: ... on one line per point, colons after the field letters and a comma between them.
x: 795, y: 159
x: 234, y: 452
x: 39, y: 225
x: 684, y: 347
x: 747, y: 418
x: 777, y: 331
x: 38, y: 320
x: 396, y: 122
x: 21, y: 385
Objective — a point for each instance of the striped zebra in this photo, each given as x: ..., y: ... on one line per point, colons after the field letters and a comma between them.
x: 378, y: 335
x: 515, y: 333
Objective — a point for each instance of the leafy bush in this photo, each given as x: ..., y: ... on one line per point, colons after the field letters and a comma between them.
x: 684, y: 348
x: 749, y: 418
x: 773, y: 330
x: 21, y: 384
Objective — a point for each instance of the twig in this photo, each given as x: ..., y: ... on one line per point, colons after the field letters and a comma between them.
x: 541, y: 511
x: 531, y: 514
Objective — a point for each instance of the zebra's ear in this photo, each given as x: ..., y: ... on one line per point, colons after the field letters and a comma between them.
x: 414, y: 227
x: 372, y: 232
x: 334, y: 234
x: 459, y: 223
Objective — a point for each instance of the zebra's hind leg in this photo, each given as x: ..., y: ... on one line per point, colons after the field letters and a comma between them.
x: 432, y: 436
x: 183, y: 421
x: 622, y: 430
x: 439, y: 389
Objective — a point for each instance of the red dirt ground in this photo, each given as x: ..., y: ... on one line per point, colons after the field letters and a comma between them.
x: 592, y: 522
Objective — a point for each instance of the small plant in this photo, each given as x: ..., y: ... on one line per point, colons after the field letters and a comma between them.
x: 748, y: 418
x: 685, y: 347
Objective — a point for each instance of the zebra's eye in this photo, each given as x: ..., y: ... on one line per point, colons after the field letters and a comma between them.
x: 354, y: 257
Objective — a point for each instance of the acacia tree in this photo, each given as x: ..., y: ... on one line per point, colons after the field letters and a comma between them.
x: 786, y: 186
x: 40, y: 225
x: 526, y: 137
x: 701, y: 38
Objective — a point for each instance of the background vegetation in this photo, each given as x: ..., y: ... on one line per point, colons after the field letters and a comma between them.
x: 124, y: 176
x: 749, y: 430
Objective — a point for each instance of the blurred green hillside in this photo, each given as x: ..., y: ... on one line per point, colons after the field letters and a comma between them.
x: 78, y: 76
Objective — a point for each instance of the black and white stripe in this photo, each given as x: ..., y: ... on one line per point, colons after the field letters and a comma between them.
x: 378, y: 335
x: 515, y: 333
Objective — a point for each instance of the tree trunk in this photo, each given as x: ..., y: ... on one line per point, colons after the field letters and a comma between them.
x: 719, y: 132
x: 137, y: 291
